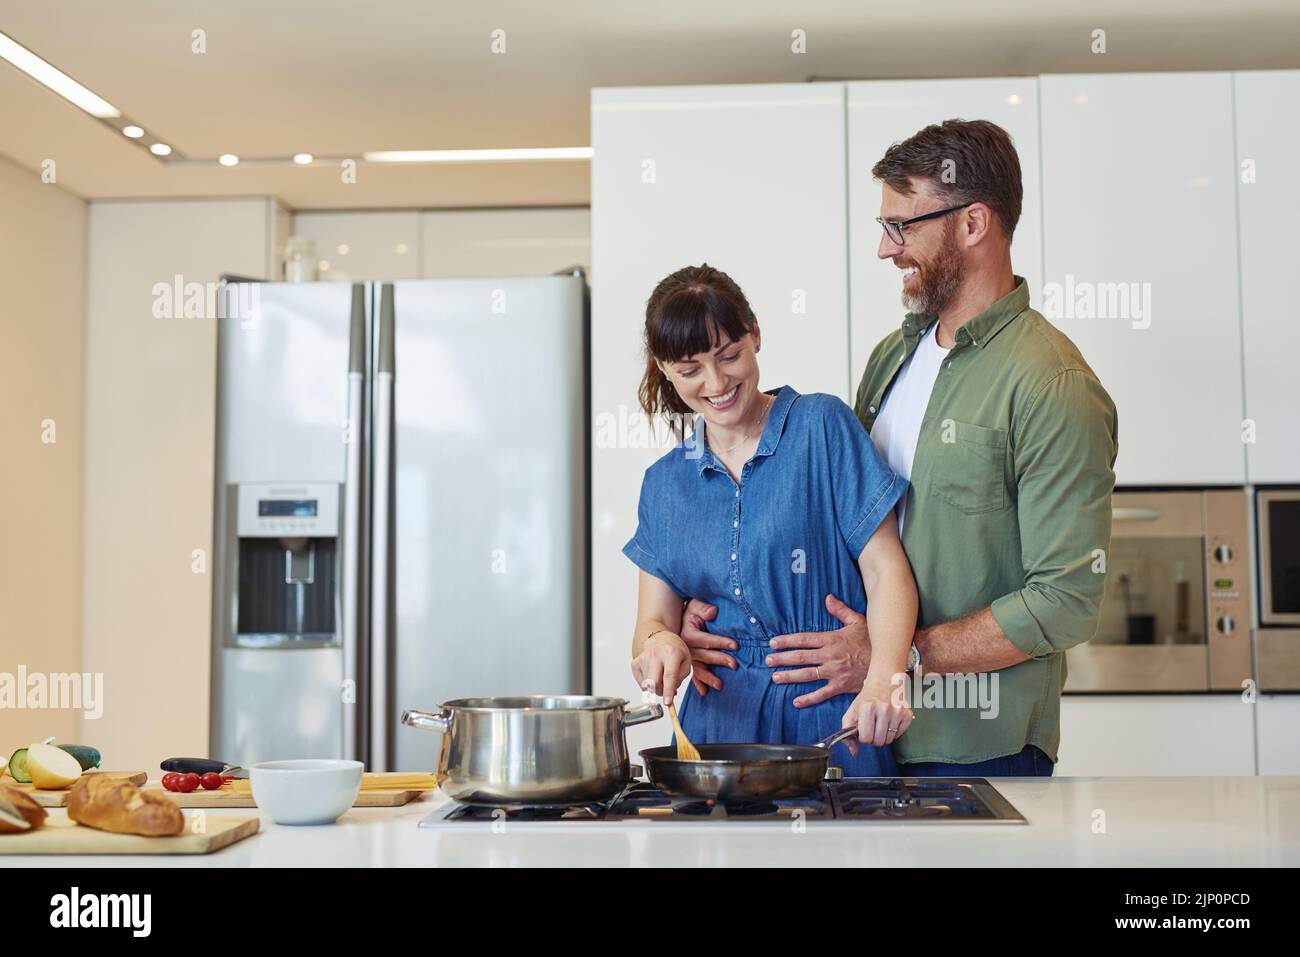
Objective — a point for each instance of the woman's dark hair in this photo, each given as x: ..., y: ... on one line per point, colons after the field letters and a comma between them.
x: 692, y: 311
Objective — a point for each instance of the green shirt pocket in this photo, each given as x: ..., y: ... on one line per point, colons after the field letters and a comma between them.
x: 969, y: 467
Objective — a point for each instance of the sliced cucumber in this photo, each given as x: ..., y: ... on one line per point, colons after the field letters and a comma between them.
x: 18, y: 766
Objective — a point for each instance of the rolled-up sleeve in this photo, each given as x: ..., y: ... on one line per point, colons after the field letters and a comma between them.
x: 1064, y: 447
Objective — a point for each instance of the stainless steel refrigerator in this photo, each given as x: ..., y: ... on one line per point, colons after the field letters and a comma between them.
x: 400, y: 509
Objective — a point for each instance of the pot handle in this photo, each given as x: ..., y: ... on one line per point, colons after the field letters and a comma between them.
x: 439, y: 720
x: 642, y: 714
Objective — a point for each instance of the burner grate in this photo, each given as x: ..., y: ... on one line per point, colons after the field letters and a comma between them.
x: 861, y: 800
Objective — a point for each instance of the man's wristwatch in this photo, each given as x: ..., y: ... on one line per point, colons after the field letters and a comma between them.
x: 913, y: 659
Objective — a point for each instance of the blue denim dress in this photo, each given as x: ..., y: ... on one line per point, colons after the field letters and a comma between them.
x: 766, y: 552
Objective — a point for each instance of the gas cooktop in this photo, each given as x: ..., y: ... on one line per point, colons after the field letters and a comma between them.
x: 846, y: 801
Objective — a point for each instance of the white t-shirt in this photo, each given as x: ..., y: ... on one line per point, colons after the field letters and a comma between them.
x: 899, y: 424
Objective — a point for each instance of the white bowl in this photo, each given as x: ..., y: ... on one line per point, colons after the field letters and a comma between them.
x: 306, y: 791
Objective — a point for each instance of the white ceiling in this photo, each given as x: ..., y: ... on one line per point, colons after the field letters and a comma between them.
x: 334, y: 77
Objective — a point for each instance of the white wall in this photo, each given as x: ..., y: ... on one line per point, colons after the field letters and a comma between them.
x: 42, y: 344
x: 149, y: 400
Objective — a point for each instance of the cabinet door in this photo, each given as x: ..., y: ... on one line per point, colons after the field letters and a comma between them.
x: 751, y: 180
x: 884, y: 112
x: 1140, y: 257
x: 1277, y: 719
x: 1144, y: 735
x: 460, y: 243
x: 366, y: 245
x: 1267, y: 146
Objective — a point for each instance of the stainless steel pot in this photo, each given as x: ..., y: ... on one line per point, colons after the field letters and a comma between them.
x: 539, y: 750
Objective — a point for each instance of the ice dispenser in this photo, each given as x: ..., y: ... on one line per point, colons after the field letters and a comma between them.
x: 285, y: 586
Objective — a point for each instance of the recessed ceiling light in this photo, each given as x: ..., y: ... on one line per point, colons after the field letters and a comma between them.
x: 228, y: 159
x: 402, y: 248
x: 1014, y: 99
x: 343, y: 249
x: 132, y: 131
x: 55, y: 79
x: 160, y: 149
x: 302, y: 159
x: 480, y: 156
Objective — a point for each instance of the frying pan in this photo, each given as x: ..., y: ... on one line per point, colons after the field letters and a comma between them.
x: 743, y: 772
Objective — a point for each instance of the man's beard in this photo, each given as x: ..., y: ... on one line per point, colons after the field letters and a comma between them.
x: 940, y: 278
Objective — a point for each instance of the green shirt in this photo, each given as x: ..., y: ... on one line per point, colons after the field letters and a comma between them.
x: 1009, y: 507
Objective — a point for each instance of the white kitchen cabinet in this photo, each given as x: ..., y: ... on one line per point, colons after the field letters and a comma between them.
x: 1277, y: 728
x: 1268, y: 144
x: 881, y: 113
x: 371, y: 244
x: 1141, y: 735
x: 1140, y: 258
x: 503, y: 242
x: 750, y: 179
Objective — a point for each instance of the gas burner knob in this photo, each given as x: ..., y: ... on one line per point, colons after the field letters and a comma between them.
x: 1225, y: 624
x: 1223, y: 554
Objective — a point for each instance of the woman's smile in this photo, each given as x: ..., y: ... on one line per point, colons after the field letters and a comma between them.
x: 726, y: 400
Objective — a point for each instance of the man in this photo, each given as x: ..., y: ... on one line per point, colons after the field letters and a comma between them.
x: 1009, y: 442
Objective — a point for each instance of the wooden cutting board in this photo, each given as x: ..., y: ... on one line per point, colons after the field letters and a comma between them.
x: 60, y: 798
x: 369, y: 796
x: 60, y: 835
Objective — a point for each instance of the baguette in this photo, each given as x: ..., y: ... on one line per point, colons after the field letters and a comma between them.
x: 18, y: 811
x: 117, y: 805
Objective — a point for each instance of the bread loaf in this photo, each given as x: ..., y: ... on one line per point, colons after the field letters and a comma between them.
x: 113, y: 804
x: 18, y: 811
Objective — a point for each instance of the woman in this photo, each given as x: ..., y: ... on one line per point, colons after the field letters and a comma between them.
x: 774, y: 502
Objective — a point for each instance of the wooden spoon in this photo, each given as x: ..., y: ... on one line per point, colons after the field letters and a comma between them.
x: 685, y: 750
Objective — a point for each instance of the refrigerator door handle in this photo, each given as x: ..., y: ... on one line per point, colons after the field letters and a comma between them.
x: 354, y: 694
x: 383, y: 604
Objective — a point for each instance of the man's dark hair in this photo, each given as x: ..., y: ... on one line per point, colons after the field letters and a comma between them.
x: 984, y: 167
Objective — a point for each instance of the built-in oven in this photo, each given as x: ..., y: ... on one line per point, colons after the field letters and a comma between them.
x: 1176, y: 611
x: 1277, y: 643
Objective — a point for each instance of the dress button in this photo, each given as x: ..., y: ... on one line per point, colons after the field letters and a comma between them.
x: 737, y: 591
x: 871, y: 409
x: 735, y: 525
x: 733, y: 556
x: 753, y: 621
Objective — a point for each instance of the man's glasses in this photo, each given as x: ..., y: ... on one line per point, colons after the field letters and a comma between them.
x: 894, y: 228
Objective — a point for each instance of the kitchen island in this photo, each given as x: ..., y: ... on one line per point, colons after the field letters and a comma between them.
x: 1082, y: 822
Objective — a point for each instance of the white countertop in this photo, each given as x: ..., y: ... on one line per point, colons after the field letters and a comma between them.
x: 1186, y: 822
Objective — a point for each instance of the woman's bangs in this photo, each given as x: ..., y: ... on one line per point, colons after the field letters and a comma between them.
x: 692, y: 321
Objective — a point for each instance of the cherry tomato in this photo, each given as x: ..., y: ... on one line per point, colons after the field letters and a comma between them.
x: 187, y: 783
x: 169, y: 780
x: 211, y: 781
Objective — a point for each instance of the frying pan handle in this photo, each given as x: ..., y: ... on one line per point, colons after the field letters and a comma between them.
x: 641, y: 714
x: 841, y: 735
